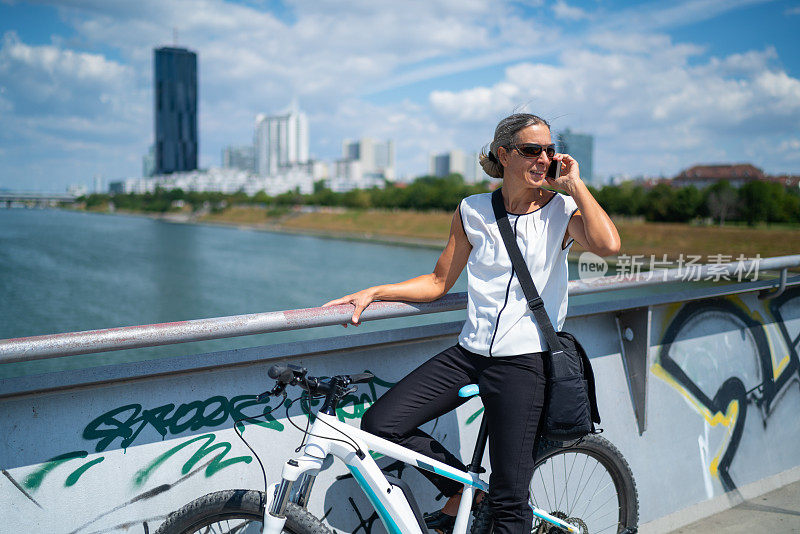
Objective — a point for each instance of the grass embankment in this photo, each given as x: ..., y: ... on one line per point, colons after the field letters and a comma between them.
x: 674, y: 239
x: 638, y: 237
x: 434, y: 226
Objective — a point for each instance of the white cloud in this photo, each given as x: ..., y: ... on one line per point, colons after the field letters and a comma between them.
x: 662, y: 15
x: 251, y: 61
x: 54, y: 80
x: 649, y: 107
x: 567, y: 12
x: 640, y: 91
x: 789, y: 149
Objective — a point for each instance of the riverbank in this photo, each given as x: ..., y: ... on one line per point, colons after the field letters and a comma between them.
x: 430, y: 229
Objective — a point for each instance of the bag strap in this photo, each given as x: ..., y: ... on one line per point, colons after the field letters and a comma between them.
x: 535, y: 302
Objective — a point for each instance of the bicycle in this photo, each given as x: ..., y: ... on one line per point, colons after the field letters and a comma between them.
x: 611, y: 505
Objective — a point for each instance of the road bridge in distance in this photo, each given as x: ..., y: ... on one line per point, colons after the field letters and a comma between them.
x: 12, y: 199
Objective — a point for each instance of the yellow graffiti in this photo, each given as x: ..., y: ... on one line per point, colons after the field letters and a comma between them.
x: 756, y: 315
x: 726, y: 419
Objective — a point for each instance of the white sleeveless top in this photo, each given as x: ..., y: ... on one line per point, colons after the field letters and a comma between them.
x: 499, y: 322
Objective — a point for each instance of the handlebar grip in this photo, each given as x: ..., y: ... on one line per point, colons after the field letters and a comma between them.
x: 360, y: 378
x: 277, y: 370
x: 285, y: 373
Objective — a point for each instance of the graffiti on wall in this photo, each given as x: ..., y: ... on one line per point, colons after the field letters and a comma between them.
x: 727, y: 359
x: 127, y: 425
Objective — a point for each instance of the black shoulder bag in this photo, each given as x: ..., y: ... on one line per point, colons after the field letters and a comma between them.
x: 570, y: 401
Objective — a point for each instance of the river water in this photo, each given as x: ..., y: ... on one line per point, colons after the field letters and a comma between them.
x: 64, y: 271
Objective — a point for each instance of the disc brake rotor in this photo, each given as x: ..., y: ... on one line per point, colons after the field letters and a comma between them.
x: 543, y: 527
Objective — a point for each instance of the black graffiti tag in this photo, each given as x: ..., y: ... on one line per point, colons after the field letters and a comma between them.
x: 127, y: 422
x: 733, y: 389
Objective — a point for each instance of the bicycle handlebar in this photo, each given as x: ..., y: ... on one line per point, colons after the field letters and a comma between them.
x: 361, y: 378
x: 295, y: 375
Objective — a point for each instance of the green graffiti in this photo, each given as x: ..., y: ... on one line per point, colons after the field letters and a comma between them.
x: 75, y: 475
x: 474, y: 416
x: 34, y: 480
x: 351, y: 406
x: 128, y: 421
x: 360, y: 404
x: 216, y: 465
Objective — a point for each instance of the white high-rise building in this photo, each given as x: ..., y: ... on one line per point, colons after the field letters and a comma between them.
x: 239, y: 157
x: 457, y: 161
x: 281, y: 141
x: 375, y: 159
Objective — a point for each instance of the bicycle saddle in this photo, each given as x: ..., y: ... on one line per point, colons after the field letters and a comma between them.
x: 468, y: 391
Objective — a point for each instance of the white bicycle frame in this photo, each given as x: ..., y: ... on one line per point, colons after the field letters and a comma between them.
x: 329, y: 436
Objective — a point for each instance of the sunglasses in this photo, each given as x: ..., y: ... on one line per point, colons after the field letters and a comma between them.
x: 534, y: 150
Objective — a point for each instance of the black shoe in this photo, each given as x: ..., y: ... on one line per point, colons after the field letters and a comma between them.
x: 440, y: 521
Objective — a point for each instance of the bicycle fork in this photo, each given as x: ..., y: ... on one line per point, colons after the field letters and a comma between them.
x: 304, y: 468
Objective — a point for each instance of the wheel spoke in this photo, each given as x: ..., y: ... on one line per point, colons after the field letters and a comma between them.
x: 571, y: 467
x: 544, y: 487
x: 588, y: 479
x: 599, y: 486
x: 553, y: 475
x: 614, y: 526
x: 601, y: 507
x: 595, y: 492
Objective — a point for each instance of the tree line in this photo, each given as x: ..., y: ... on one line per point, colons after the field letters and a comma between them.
x: 755, y: 202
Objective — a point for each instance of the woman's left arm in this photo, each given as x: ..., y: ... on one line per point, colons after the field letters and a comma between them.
x: 590, y: 226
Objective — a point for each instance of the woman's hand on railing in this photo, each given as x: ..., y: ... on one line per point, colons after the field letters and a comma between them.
x: 360, y: 300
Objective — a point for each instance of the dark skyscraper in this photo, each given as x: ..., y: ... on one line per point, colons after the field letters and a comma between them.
x: 580, y: 147
x: 175, y: 89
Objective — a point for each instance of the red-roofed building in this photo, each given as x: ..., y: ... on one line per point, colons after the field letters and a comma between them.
x: 702, y: 176
x: 787, y: 179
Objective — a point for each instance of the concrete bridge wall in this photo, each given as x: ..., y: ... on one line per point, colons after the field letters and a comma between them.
x: 700, y: 395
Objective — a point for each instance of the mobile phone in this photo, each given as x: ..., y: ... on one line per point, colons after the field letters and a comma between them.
x: 554, y: 170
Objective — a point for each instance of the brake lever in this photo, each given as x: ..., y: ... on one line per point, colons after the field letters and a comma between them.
x: 274, y: 392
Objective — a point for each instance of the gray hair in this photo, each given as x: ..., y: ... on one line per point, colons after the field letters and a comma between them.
x: 504, y: 136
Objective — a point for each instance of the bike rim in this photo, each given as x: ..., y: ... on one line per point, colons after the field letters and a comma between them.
x: 576, y: 484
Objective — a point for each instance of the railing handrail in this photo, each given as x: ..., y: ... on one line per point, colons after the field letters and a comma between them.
x: 133, y: 337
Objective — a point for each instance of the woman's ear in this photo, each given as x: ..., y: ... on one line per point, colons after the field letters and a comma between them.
x: 502, y: 155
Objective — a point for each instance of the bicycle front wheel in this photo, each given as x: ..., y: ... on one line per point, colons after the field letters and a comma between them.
x: 236, y: 511
x: 589, y: 484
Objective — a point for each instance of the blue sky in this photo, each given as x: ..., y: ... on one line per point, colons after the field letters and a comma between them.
x: 661, y: 85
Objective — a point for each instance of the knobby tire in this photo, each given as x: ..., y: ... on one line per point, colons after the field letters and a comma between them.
x: 566, y: 481
x: 236, y: 512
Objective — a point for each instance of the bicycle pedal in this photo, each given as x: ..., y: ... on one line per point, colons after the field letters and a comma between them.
x: 440, y: 522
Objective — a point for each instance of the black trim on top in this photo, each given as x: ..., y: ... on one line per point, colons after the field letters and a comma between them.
x: 461, y: 217
x: 571, y: 239
x: 508, y: 290
x: 537, y: 209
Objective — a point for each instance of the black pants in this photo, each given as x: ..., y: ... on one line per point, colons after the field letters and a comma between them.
x: 512, y: 391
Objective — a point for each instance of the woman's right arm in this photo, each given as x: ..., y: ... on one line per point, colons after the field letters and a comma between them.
x: 423, y: 288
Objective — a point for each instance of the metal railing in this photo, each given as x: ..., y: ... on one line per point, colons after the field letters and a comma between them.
x: 133, y: 337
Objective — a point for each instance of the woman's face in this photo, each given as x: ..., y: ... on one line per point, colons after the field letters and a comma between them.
x: 529, y: 172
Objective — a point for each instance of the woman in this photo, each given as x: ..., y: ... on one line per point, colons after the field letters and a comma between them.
x: 500, y: 347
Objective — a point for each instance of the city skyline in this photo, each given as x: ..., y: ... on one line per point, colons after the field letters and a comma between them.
x: 659, y: 87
